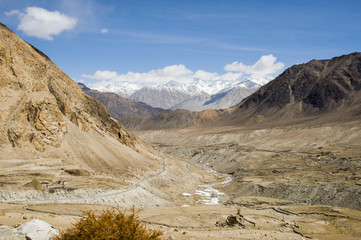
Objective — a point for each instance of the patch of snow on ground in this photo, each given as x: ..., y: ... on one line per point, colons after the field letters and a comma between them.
x: 229, y: 179
x: 209, y: 195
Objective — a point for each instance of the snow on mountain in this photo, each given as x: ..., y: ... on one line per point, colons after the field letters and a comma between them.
x: 223, y: 99
x: 124, y: 89
x: 195, y: 96
x: 228, y: 98
x: 163, y: 96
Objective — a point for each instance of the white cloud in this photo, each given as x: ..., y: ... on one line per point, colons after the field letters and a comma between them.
x: 102, y: 75
x: 12, y: 13
x: 104, y: 30
x: 41, y: 23
x: 173, y: 71
x: 261, y: 72
x: 177, y: 73
x: 205, y: 76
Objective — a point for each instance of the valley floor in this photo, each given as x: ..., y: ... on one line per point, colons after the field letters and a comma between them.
x: 277, y: 183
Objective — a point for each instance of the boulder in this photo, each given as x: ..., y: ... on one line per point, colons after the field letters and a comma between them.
x: 7, y: 233
x: 37, y: 230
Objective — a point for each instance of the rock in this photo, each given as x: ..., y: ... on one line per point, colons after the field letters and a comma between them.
x: 6, y: 233
x: 37, y: 230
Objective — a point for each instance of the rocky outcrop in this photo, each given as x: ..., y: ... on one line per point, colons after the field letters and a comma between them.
x: 44, y: 96
x: 44, y: 111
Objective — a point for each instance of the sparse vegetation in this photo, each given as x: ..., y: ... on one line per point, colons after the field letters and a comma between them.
x: 34, y: 184
x: 77, y: 172
x: 112, y: 224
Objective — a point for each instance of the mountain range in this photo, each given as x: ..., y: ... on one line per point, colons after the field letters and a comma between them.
x: 120, y: 107
x: 311, y: 90
x: 196, y: 96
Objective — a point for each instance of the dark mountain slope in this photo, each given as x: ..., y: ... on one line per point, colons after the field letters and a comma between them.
x: 317, y: 87
x: 120, y: 107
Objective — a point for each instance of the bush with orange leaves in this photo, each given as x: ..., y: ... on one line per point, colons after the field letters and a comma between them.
x: 112, y: 224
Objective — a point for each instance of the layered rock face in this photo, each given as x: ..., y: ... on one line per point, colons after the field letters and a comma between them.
x: 44, y: 111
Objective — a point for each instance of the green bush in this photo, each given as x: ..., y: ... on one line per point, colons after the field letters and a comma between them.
x: 112, y: 224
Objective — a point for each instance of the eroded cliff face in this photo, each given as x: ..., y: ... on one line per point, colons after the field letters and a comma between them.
x: 36, y: 96
x: 43, y: 111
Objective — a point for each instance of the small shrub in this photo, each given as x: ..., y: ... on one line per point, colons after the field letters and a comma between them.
x: 34, y: 184
x: 112, y: 224
x: 77, y: 172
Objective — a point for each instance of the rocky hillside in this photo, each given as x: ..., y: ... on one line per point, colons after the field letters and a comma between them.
x: 120, y: 107
x: 44, y: 114
x: 317, y: 88
x: 175, y: 119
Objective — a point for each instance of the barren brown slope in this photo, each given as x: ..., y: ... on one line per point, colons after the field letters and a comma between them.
x: 44, y: 114
x: 179, y: 118
x: 120, y: 107
x: 312, y: 89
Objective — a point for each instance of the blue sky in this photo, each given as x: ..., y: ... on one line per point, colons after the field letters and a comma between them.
x: 118, y: 37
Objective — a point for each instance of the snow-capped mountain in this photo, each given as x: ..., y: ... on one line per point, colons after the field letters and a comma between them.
x: 195, y: 96
x: 162, y: 96
x: 223, y: 99
x: 124, y: 89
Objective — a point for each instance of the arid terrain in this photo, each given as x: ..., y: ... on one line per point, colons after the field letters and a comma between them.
x: 286, y: 187
x: 310, y: 169
x: 283, y: 164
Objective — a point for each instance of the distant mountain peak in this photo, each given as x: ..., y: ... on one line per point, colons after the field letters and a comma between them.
x: 120, y: 107
x: 173, y: 83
